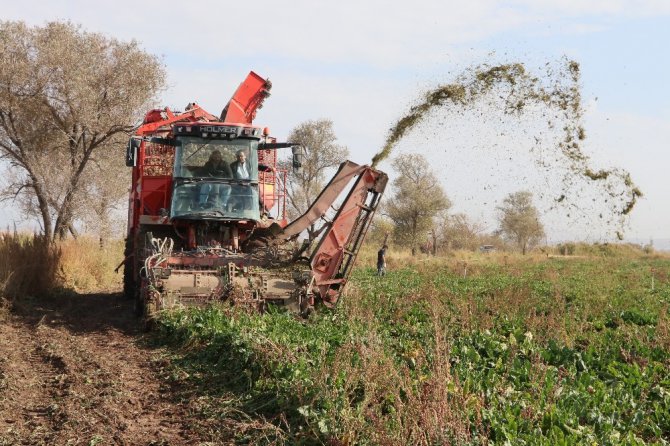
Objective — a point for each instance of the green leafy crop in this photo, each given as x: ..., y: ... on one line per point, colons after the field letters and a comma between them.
x: 563, y: 351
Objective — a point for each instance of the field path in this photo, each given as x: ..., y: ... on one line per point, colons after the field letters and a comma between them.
x: 74, y: 371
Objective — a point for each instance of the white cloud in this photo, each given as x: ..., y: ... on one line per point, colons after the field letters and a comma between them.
x: 369, y: 32
x: 608, y: 8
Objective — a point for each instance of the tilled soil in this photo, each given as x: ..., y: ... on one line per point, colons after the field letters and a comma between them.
x: 75, y: 371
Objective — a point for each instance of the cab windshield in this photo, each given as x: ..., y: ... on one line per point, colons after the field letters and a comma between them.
x: 215, y: 179
x: 225, y: 159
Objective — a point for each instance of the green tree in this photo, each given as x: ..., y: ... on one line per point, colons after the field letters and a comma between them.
x: 418, y: 198
x: 520, y: 221
x: 322, y: 152
x: 65, y: 95
x: 380, y: 229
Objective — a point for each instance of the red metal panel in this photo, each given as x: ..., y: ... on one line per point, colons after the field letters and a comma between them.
x: 326, y: 198
x: 193, y: 114
x: 342, y: 239
x: 248, y: 98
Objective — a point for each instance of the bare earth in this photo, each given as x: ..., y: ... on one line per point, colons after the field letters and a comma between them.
x: 74, y: 371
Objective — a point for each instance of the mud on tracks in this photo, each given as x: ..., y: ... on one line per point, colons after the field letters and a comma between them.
x: 75, y: 371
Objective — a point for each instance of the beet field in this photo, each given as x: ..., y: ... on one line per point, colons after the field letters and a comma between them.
x: 479, y: 350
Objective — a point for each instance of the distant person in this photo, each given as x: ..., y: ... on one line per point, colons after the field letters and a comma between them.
x: 381, y: 261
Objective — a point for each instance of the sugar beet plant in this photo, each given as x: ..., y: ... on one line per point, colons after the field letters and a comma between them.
x: 550, y: 352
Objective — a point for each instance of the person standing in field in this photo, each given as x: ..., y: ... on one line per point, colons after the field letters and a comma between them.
x: 381, y: 261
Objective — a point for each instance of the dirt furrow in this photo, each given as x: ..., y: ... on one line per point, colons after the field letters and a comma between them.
x: 75, y: 371
x: 35, y: 380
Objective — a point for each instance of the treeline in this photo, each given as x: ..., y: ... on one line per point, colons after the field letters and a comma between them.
x: 415, y: 215
x: 457, y: 233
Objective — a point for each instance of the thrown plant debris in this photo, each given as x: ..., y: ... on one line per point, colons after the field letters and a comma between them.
x: 558, y: 91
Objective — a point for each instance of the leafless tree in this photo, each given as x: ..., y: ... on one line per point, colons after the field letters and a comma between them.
x: 104, y: 196
x: 417, y: 200
x: 460, y: 232
x: 322, y: 153
x: 65, y: 95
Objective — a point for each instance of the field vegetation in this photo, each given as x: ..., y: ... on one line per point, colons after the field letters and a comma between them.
x: 471, y: 349
x: 32, y: 266
x: 568, y: 345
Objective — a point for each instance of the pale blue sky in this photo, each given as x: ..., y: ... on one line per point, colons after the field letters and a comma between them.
x: 362, y: 63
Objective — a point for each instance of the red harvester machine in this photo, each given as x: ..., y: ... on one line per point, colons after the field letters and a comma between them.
x: 207, y: 214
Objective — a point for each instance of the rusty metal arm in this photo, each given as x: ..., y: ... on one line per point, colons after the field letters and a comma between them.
x: 335, y: 255
x: 326, y: 198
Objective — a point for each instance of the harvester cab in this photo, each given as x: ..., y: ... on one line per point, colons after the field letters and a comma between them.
x: 207, y: 213
x: 215, y: 178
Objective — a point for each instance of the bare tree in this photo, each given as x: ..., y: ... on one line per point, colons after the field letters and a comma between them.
x: 65, y: 94
x: 417, y: 200
x: 102, y: 202
x: 322, y: 153
x: 520, y: 221
x: 460, y: 232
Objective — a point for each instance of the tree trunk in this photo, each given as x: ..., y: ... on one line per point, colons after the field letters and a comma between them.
x: 73, y: 231
x: 64, y: 221
x: 104, y: 225
x: 414, y: 235
x: 44, y: 209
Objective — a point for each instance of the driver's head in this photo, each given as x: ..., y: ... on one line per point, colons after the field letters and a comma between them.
x: 241, y: 156
x: 215, y: 156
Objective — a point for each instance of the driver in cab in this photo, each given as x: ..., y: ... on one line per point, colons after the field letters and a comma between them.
x: 216, y: 166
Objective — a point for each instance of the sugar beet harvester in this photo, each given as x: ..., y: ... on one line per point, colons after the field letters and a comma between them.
x: 207, y: 214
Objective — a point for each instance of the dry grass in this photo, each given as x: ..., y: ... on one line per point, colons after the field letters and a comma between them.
x: 87, y: 267
x: 32, y: 267
x: 416, y: 401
